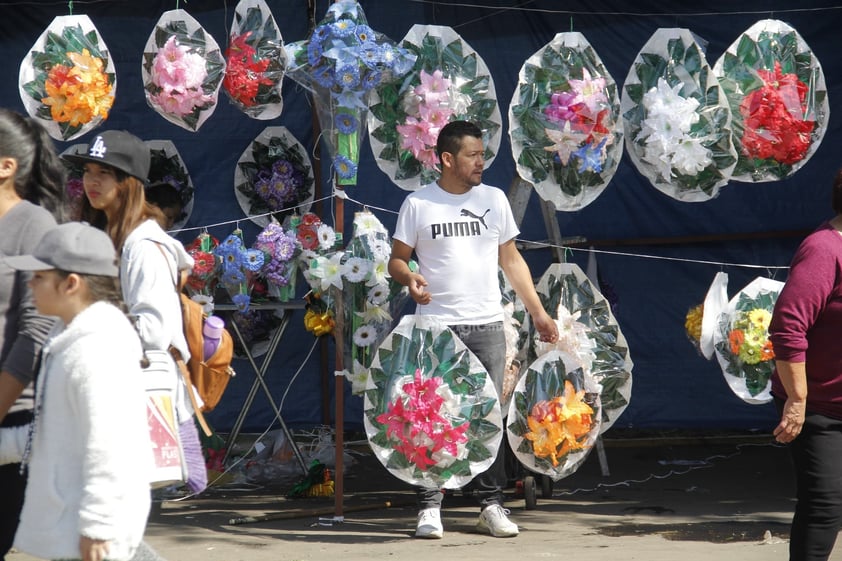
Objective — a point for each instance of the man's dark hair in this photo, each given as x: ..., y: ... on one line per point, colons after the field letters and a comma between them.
x: 451, y: 135
x: 837, y: 193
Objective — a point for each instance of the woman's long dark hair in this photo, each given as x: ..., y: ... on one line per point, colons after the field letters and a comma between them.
x: 40, y: 177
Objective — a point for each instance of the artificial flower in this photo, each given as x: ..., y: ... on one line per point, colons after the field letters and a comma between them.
x: 255, y: 61
x: 237, y: 269
x: 341, y: 62
x: 274, y: 177
x: 566, y: 133
x: 431, y: 413
x: 449, y: 81
x: 318, y: 319
x: 693, y: 325
x: 206, y: 266
x: 67, y: 80
x: 776, y: 89
x: 554, y: 415
x: 182, y: 70
x: 581, y: 309
x: 742, y: 344
x: 280, y: 264
x: 677, y: 119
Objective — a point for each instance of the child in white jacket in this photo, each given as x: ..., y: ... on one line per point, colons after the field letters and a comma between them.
x: 88, y: 456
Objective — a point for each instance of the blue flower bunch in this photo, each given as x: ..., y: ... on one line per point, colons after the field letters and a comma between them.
x: 342, y: 62
x: 238, y: 267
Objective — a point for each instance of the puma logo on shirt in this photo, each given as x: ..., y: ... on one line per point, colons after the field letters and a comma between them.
x: 461, y: 229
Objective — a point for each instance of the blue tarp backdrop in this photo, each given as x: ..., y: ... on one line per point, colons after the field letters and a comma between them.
x: 663, y: 253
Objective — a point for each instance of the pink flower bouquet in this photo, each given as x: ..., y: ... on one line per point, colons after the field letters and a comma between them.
x: 182, y: 70
x: 67, y: 80
x: 448, y: 82
x: 431, y: 412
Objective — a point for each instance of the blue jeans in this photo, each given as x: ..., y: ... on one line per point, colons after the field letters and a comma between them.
x: 817, y: 456
x: 488, y: 343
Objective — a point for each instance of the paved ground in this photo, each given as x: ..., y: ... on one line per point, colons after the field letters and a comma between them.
x: 693, y: 499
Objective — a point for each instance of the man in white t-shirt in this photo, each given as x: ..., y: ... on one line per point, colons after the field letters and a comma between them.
x: 460, y: 231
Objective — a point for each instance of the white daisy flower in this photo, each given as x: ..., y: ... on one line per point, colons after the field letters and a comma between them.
x: 378, y: 294
x: 327, y: 237
x: 365, y: 335
x: 356, y: 269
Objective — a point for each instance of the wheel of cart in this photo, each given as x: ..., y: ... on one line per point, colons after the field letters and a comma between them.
x: 527, y: 483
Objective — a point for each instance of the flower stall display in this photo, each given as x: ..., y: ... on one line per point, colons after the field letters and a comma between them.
x: 182, y: 70
x: 677, y: 118
x: 320, y: 261
x: 167, y: 167
x: 554, y: 415
x: 778, y: 98
x: 341, y: 62
x: 565, y: 289
x: 238, y: 268
x: 372, y: 300
x: 254, y: 61
x: 448, y: 82
x: 274, y: 177
x: 565, y: 130
x: 67, y: 79
x: 280, y: 267
x: 742, y: 344
x: 430, y: 409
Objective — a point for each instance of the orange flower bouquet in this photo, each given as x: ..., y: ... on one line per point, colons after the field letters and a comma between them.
x: 554, y: 415
x: 67, y: 80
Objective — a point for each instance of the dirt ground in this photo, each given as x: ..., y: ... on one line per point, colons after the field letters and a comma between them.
x: 687, y: 498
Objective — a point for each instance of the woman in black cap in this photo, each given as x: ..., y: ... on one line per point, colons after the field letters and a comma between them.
x: 31, y: 201
x: 116, y: 165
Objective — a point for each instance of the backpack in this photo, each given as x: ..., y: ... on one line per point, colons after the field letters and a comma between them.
x: 209, y: 377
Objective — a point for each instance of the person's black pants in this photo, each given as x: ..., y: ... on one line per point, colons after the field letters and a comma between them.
x: 14, y: 485
x: 817, y: 456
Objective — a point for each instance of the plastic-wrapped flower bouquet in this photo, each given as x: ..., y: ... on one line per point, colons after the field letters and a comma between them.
x: 778, y: 98
x: 554, y: 416
x: 255, y: 61
x: 341, y: 62
x: 238, y: 268
x: 67, y: 80
x: 677, y: 118
x: 182, y: 70
x: 430, y: 410
x: 581, y: 310
x: 167, y: 167
x: 274, y: 176
x: 281, y: 250
x: 372, y: 300
x: 448, y: 82
x: 565, y: 123
x: 203, y: 278
x: 742, y: 344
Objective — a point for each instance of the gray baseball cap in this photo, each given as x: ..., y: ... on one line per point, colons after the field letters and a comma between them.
x: 75, y: 247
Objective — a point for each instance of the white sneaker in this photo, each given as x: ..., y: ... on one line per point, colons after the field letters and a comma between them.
x: 429, y: 524
x: 493, y: 521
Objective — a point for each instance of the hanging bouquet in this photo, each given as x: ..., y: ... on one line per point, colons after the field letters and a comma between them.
x: 280, y: 250
x: 742, y: 343
x: 568, y: 295
x: 67, y: 80
x: 693, y: 326
x: 254, y: 69
x: 203, y: 278
x: 167, y: 167
x: 448, y: 82
x: 554, y: 417
x: 274, y: 177
x: 430, y: 409
x: 238, y: 268
x: 778, y: 98
x: 182, y: 70
x: 341, y: 63
x: 372, y: 299
x: 566, y: 133
x: 74, y: 189
x: 319, y: 260
x: 677, y: 118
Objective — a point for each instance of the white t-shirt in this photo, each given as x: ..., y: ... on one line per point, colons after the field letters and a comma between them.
x: 456, y: 239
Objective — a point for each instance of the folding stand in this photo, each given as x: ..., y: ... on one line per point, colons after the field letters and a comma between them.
x: 286, y: 309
